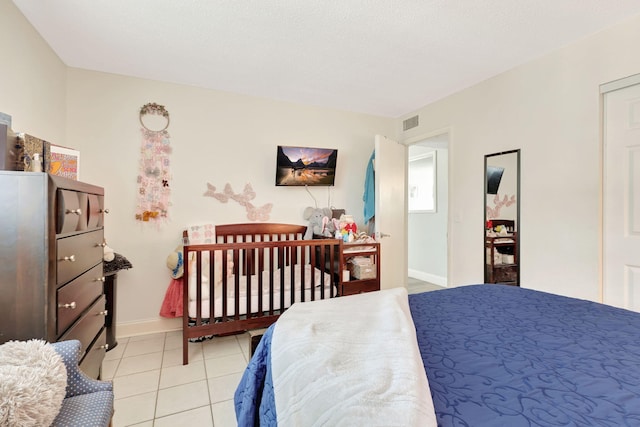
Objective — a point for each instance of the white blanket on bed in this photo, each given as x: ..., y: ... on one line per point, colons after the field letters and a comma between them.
x: 350, y: 361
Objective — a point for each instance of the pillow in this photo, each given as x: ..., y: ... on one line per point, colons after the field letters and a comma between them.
x: 33, y: 382
x: 201, y: 234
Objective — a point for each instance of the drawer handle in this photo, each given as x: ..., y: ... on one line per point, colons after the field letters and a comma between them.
x: 104, y: 312
x: 71, y: 258
x: 71, y: 305
x: 99, y: 279
x: 104, y: 211
x: 106, y: 346
x: 101, y: 245
x: 74, y: 211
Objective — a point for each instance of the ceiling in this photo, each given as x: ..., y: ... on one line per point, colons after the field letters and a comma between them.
x: 381, y: 57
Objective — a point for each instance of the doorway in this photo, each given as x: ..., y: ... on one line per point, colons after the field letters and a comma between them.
x: 427, y: 212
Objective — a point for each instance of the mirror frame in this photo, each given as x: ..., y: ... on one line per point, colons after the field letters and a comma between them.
x: 517, y: 218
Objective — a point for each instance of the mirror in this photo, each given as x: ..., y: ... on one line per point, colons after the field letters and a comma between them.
x: 502, y: 218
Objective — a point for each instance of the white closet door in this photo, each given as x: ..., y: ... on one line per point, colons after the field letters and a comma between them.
x: 621, y: 198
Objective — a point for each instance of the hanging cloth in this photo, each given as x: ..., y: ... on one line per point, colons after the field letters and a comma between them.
x: 369, y: 196
x: 172, y: 303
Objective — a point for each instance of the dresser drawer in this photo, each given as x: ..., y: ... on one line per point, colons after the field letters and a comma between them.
x: 76, y: 254
x: 96, y: 211
x: 88, y: 326
x: 92, y: 362
x: 75, y: 297
x: 359, y: 286
x: 505, y: 273
x: 71, y: 212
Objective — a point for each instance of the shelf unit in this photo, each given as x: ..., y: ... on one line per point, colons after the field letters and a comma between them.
x: 502, y: 272
x: 355, y: 285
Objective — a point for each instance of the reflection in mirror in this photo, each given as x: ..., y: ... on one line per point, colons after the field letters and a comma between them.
x: 502, y: 218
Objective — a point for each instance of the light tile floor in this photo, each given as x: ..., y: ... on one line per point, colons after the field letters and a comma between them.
x: 153, y: 388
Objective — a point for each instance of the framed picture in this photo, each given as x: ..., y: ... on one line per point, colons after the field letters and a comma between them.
x: 65, y: 162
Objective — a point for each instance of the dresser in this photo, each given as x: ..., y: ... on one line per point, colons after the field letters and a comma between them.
x: 51, y: 249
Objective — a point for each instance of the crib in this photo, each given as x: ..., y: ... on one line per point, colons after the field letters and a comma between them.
x: 249, y: 275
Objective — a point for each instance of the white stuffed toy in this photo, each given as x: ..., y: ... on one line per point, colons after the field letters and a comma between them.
x: 319, y: 222
x: 109, y: 254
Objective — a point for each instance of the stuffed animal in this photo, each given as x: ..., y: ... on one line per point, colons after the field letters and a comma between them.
x: 108, y: 254
x: 175, y: 262
x: 319, y: 222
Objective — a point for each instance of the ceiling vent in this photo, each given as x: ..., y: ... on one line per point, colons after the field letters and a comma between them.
x: 410, y: 123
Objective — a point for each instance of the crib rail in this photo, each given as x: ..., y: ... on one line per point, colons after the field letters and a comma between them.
x: 243, y: 285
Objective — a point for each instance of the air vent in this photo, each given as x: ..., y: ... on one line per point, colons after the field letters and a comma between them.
x: 410, y: 123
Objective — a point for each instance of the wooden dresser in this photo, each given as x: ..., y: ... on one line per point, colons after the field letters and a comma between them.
x: 51, y: 248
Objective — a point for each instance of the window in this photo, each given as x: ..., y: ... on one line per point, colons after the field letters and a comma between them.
x: 422, y: 183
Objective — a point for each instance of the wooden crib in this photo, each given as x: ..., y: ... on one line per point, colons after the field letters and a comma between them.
x: 252, y: 274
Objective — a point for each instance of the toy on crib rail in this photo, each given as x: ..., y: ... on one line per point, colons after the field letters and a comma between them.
x: 348, y: 228
x: 319, y: 222
x: 175, y: 262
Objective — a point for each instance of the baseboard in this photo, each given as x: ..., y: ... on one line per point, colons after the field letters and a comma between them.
x: 427, y: 277
x: 151, y: 326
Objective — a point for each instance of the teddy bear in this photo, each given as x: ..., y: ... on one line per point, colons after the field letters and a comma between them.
x: 319, y: 222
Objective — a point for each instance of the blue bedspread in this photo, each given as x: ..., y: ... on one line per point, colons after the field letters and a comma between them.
x: 254, y: 401
x: 498, y: 355
x: 503, y: 356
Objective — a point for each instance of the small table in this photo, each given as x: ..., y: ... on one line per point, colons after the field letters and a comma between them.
x: 110, y: 270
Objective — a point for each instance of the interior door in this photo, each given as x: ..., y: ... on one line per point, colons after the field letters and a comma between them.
x: 390, y: 205
x: 621, y: 240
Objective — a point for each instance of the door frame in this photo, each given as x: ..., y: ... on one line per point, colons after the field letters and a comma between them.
x: 414, y: 140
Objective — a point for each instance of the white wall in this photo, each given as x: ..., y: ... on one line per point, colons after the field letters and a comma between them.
x: 217, y: 138
x: 550, y: 109
x: 32, y: 79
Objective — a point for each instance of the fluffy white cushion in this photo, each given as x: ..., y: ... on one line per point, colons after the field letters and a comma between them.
x: 33, y: 382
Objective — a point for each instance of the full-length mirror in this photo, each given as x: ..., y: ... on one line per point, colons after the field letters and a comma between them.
x: 502, y: 218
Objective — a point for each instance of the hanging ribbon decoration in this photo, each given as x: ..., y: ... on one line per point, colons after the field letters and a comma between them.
x: 153, y: 175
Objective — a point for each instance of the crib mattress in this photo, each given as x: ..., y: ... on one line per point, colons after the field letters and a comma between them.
x: 317, y: 285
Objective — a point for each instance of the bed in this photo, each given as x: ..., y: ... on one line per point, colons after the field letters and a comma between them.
x: 243, y: 276
x: 492, y: 355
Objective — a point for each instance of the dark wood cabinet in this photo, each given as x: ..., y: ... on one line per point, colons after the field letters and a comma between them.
x: 51, y: 277
x: 502, y: 259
